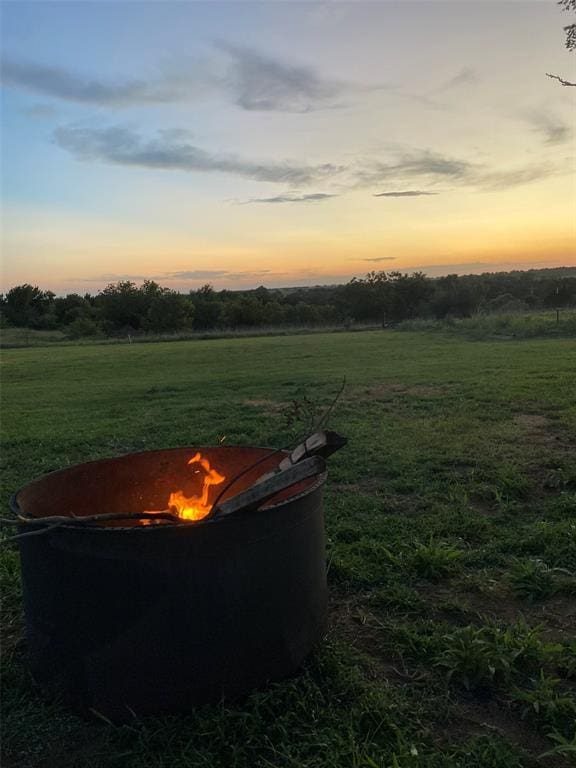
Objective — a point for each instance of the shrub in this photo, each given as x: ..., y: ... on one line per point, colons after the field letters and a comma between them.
x: 545, y: 703
x: 81, y: 327
x: 435, y: 560
x: 490, y: 656
x: 532, y: 580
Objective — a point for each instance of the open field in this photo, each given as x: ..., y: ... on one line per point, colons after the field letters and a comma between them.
x: 451, y: 524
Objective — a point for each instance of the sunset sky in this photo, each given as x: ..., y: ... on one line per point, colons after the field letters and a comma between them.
x: 283, y: 143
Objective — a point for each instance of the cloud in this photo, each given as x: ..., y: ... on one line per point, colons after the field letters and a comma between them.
x: 425, y: 164
x: 406, y: 193
x: 113, y: 278
x: 219, y: 274
x: 314, y: 197
x: 380, y: 258
x: 41, y: 112
x: 260, y: 82
x: 552, y: 129
x: 493, y: 181
x: 171, y: 150
x: 59, y: 83
x: 196, y: 274
x: 466, y: 76
x: 174, y: 151
x: 435, y: 168
x: 254, y: 81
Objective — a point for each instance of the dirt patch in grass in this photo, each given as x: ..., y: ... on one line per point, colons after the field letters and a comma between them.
x: 544, y: 431
x: 270, y: 406
x: 495, y: 603
x: 557, y: 615
x: 533, y: 422
x: 350, y: 621
x: 476, y: 717
x: 386, y: 391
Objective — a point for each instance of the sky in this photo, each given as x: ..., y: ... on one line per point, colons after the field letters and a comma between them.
x: 282, y: 143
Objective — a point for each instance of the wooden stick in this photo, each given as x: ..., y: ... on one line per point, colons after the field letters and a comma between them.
x: 262, y: 491
x: 323, y: 443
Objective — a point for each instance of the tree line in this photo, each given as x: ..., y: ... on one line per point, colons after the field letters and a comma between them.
x: 384, y: 298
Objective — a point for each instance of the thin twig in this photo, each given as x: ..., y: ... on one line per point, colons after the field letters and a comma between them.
x: 326, y: 415
x: 560, y: 80
x: 37, y: 532
x: 163, y: 514
x: 56, y: 521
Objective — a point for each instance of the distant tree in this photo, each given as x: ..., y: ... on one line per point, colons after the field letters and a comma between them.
x: 169, y: 311
x: 208, y: 308
x: 262, y: 294
x: 71, y: 307
x: 244, y: 312
x: 123, y: 306
x: 364, y: 299
x: 27, y: 306
x: 407, y: 295
x: 81, y: 327
x: 453, y: 297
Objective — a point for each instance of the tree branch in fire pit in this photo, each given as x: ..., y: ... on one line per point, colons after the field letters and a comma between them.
x: 272, y: 484
x: 43, y: 525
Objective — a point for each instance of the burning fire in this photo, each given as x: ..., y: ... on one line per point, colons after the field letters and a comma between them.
x: 196, y: 507
x: 193, y: 507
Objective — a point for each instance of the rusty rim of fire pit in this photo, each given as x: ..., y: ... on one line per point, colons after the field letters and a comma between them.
x: 310, y: 485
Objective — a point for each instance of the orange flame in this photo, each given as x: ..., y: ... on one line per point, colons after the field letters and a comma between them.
x: 196, y: 507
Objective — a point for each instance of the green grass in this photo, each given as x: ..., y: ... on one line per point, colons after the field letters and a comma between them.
x: 451, y: 527
x: 506, y: 325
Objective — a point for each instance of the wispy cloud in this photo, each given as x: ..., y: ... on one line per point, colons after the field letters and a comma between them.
x: 111, y: 277
x: 405, y: 193
x: 314, y: 197
x: 170, y: 150
x: 378, y: 259
x: 466, y: 76
x: 217, y: 275
x: 62, y: 84
x: 260, y: 82
x: 253, y: 80
x: 196, y: 274
x: 41, y: 112
x: 192, y: 275
x: 425, y: 164
x: 493, y: 181
x: 174, y: 151
x: 551, y: 128
x: 436, y: 168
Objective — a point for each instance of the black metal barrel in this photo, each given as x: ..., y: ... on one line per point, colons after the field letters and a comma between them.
x: 147, y: 619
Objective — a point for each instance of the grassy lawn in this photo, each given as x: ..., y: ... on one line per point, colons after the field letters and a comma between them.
x: 451, y: 524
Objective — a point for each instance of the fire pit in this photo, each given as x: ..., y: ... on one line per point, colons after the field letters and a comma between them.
x: 147, y: 610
